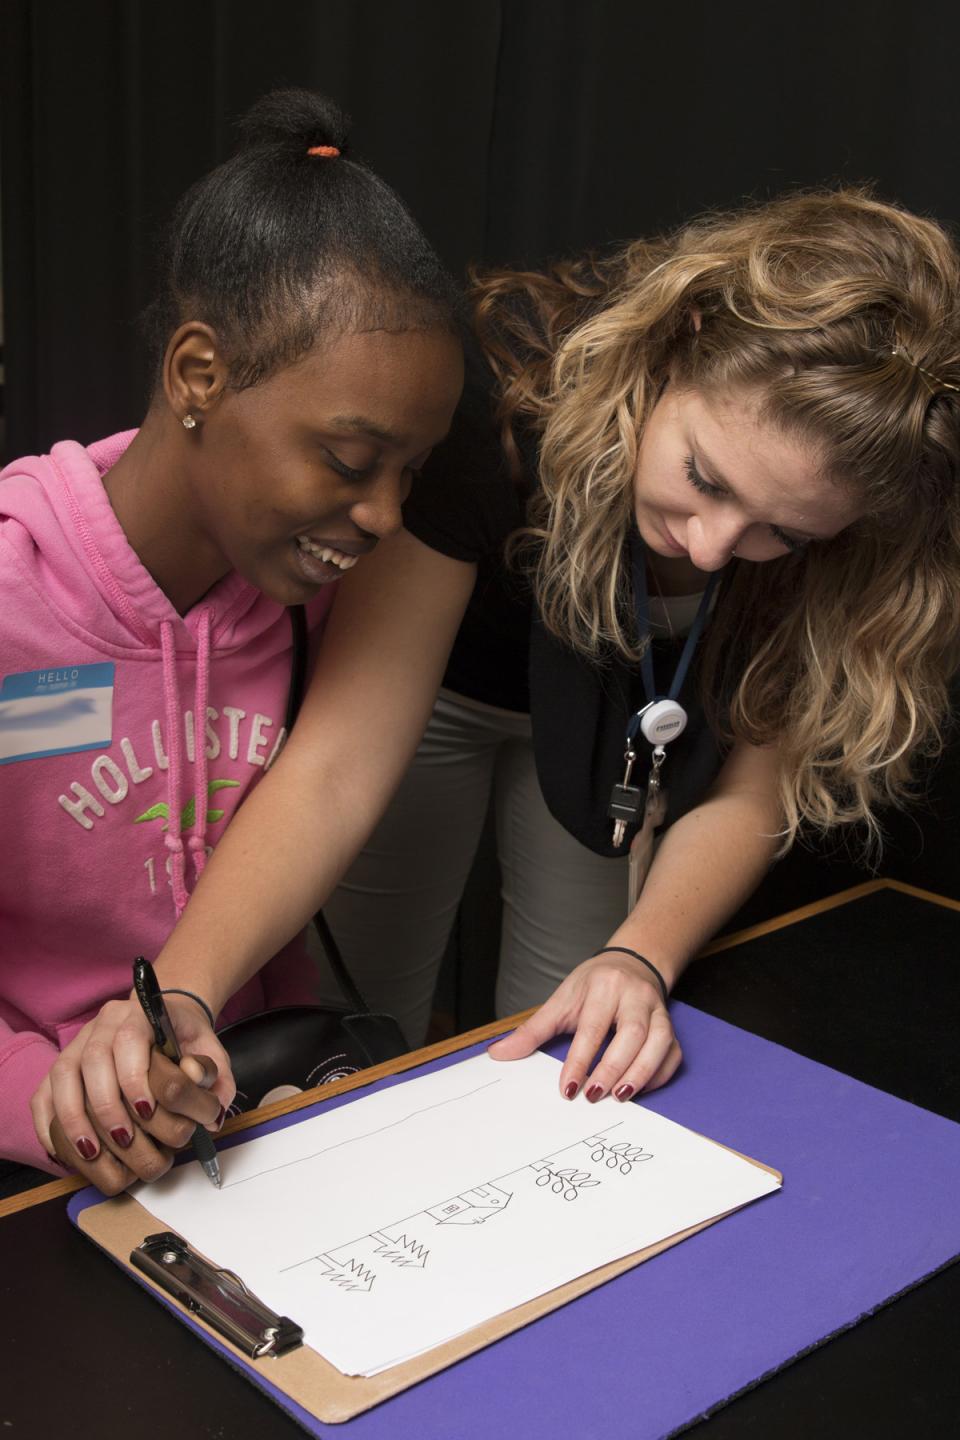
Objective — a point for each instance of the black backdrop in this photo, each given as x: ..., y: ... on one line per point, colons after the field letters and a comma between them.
x: 515, y: 130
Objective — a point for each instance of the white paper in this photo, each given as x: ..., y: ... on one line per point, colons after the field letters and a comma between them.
x: 413, y: 1214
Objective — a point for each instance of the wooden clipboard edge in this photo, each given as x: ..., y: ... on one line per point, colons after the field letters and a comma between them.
x: 119, y: 1225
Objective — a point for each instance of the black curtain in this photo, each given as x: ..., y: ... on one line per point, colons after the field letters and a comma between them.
x: 515, y: 129
x: 112, y: 107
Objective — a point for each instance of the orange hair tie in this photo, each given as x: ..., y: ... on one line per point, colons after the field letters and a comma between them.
x: 328, y: 151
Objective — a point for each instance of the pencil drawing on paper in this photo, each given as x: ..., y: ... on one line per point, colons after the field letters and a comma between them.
x: 360, y: 1137
x: 473, y: 1207
x: 354, y: 1266
x: 409, y: 1216
x: 404, y: 1250
x: 621, y: 1156
x: 567, y: 1182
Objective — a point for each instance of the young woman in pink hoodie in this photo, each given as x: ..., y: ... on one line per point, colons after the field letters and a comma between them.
x: 308, y: 360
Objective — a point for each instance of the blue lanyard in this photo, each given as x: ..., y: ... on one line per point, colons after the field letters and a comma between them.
x: 642, y: 603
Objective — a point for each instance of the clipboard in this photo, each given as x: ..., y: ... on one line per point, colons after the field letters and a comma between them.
x: 297, y: 1378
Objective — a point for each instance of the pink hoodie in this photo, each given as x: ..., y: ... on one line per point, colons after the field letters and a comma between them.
x: 128, y: 737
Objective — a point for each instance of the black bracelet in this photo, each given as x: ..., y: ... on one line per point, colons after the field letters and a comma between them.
x: 202, y: 1003
x: 622, y: 950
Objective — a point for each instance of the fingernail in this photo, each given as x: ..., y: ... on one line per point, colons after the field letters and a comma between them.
x: 121, y: 1137
x: 55, y: 1160
x: 594, y: 1093
x: 624, y: 1092
x: 143, y: 1108
x: 570, y: 1089
x: 86, y: 1148
x: 221, y: 1117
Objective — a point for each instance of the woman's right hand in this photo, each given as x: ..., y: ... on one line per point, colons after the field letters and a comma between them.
x: 113, y: 1108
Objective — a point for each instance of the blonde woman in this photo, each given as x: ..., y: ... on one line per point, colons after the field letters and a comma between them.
x: 770, y: 397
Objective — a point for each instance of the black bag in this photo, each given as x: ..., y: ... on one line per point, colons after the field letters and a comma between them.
x: 299, y: 1046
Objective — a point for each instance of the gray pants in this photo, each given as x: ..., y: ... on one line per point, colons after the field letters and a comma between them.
x: 394, y: 911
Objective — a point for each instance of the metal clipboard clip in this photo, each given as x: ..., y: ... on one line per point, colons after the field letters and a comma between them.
x: 218, y: 1296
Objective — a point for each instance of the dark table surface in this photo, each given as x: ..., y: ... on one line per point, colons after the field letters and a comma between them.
x: 870, y: 987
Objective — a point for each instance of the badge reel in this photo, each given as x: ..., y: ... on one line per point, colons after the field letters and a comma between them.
x: 661, y: 720
x: 658, y: 722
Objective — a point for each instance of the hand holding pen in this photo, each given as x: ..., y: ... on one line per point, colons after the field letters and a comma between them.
x: 151, y: 999
x: 114, y: 1109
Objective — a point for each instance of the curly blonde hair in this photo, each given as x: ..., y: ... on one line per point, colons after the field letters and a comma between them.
x: 842, y: 315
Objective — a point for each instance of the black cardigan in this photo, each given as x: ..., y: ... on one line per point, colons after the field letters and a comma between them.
x: 466, y: 505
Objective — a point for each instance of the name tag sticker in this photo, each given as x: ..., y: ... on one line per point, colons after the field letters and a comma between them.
x: 56, y: 711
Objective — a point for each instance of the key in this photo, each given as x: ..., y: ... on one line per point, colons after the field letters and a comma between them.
x: 626, y: 801
x: 656, y: 765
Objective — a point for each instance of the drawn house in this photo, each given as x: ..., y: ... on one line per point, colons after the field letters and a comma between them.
x: 472, y: 1207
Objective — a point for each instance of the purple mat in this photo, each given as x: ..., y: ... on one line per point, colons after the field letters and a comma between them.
x: 868, y: 1208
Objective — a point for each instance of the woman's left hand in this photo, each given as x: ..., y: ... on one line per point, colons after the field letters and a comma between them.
x: 607, y: 992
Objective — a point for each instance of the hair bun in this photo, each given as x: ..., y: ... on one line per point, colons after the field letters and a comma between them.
x: 295, y: 119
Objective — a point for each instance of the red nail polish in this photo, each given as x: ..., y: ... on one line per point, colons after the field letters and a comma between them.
x: 624, y: 1092
x: 220, y: 1118
x: 594, y: 1093
x: 86, y: 1148
x: 121, y: 1137
x: 570, y: 1089
x: 55, y: 1160
x: 143, y: 1108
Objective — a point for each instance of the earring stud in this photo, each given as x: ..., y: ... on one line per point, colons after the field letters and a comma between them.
x: 188, y: 422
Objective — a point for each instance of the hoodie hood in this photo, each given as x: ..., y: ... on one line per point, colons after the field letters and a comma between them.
x: 55, y: 512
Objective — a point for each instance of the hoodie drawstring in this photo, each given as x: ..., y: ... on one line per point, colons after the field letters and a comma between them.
x: 174, y: 718
x: 171, y: 705
x: 197, y: 844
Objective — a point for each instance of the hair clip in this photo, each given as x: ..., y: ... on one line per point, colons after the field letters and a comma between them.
x: 932, y: 380
x: 329, y: 152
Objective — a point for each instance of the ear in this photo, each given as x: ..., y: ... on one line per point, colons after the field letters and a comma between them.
x: 194, y: 370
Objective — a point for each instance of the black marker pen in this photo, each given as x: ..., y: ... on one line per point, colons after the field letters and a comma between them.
x: 148, y: 993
